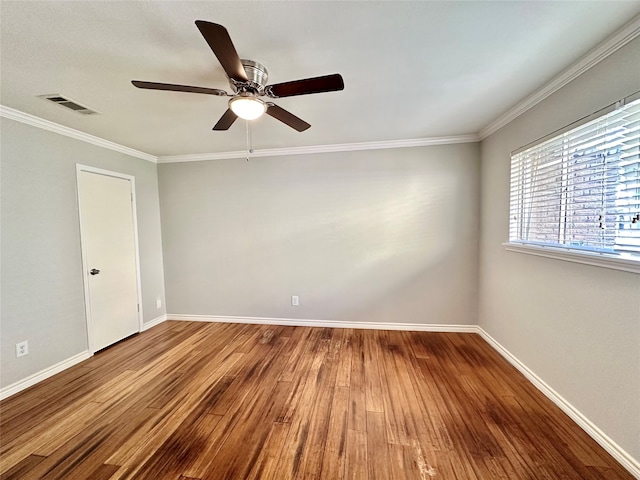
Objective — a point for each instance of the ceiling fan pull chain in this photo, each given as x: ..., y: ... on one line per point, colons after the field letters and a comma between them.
x: 249, y: 139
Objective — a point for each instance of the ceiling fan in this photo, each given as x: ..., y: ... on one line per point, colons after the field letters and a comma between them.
x: 248, y: 81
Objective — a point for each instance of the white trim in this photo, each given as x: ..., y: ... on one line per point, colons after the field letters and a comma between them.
x: 298, y: 322
x: 38, y: 122
x: 37, y: 377
x: 85, y: 266
x: 617, y: 452
x: 136, y: 246
x: 343, y: 147
x: 618, y: 40
x: 154, y: 322
x: 587, y: 258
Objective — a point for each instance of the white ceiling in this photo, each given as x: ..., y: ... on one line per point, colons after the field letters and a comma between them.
x: 411, y: 69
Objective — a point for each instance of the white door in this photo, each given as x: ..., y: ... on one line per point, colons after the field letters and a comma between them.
x: 107, y: 224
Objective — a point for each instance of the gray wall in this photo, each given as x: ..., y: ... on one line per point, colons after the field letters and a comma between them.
x: 42, y: 291
x: 378, y: 236
x: 374, y: 236
x: 576, y: 326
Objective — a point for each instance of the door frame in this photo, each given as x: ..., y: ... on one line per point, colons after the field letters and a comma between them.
x: 85, y: 266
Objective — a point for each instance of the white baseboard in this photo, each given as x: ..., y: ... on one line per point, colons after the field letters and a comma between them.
x: 154, y: 322
x: 297, y: 322
x: 617, y: 452
x: 43, y: 374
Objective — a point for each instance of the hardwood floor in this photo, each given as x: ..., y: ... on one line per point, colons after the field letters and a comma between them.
x: 226, y: 401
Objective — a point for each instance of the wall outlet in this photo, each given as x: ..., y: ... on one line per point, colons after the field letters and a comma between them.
x: 22, y: 349
x: 158, y: 302
x: 294, y: 300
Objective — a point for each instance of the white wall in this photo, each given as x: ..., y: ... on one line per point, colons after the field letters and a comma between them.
x: 575, y: 326
x: 374, y: 236
x: 42, y: 291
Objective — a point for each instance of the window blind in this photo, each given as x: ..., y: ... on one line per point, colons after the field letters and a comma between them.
x: 580, y: 189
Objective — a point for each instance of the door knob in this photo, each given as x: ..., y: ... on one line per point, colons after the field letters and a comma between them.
x: 94, y: 271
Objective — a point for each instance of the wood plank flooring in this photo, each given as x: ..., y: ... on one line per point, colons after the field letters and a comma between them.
x: 189, y: 400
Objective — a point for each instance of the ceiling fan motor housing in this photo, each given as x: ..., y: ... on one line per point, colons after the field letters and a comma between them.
x: 257, y: 75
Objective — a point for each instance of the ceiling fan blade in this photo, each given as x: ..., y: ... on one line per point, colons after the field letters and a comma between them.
x: 287, y: 117
x: 226, y: 120
x: 327, y: 83
x: 178, y: 88
x: 220, y: 42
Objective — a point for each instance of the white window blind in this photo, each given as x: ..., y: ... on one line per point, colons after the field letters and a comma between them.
x: 580, y: 190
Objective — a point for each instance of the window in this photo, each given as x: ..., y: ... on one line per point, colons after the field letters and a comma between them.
x: 579, y: 190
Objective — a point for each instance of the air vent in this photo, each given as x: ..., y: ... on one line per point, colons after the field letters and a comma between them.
x: 67, y: 103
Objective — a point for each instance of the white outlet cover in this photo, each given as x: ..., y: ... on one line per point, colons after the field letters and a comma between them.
x: 294, y: 300
x: 22, y: 349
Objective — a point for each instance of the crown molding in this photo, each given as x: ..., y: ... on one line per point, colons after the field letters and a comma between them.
x: 17, y: 115
x: 342, y: 147
x: 612, y: 44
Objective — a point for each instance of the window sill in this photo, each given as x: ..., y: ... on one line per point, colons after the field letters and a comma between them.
x: 586, y: 258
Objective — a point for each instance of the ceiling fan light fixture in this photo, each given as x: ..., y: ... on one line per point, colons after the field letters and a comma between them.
x: 247, y: 107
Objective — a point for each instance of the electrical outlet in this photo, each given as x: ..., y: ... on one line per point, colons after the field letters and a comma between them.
x: 22, y: 349
x: 158, y: 302
x: 294, y: 300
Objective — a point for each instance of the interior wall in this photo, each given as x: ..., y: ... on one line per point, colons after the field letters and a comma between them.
x: 375, y: 236
x: 576, y: 326
x: 41, y: 277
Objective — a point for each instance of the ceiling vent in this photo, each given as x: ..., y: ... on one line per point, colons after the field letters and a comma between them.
x: 67, y: 103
